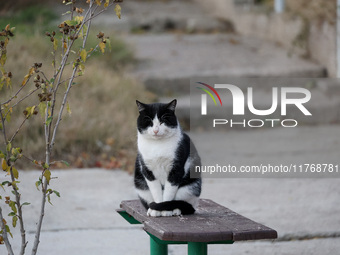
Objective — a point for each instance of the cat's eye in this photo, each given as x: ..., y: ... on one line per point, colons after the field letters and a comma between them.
x: 165, y: 117
x: 147, y: 119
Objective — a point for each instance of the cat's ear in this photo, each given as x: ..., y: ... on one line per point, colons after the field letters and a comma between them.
x: 172, y: 105
x: 141, y: 106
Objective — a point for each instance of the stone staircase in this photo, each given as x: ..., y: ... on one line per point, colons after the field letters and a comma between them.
x: 175, y: 41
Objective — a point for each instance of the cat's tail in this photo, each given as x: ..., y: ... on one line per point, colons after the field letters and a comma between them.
x: 184, y: 206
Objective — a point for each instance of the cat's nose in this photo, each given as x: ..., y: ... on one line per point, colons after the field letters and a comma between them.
x: 155, y: 131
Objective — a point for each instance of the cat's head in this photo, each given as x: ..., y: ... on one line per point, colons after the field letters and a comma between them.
x: 157, y: 121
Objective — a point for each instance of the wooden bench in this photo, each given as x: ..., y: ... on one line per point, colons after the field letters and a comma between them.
x: 211, y: 224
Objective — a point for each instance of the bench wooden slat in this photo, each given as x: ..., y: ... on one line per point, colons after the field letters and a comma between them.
x: 211, y: 223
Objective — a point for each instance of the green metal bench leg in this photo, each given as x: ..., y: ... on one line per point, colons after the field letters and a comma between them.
x: 197, y: 248
x: 157, y: 248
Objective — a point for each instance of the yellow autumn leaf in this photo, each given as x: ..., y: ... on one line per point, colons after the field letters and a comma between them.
x: 102, y: 47
x: 3, y: 58
x: 47, y: 175
x: 68, y: 109
x: 25, y: 80
x: 118, y: 10
x: 106, y: 3
x: 15, y: 172
x: 31, y: 71
x: 79, y: 19
x: 83, y: 55
x: 32, y: 109
x: 4, y: 165
x: 55, y: 44
x: 99, y: 2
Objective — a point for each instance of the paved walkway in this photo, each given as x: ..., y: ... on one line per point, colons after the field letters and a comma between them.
x: 305, y: 212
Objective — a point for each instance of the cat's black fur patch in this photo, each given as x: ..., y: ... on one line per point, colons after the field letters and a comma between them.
x: 185, y: 207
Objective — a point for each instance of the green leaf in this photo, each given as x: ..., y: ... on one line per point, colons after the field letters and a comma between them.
x: 65, y: 162
x: 8, y: 230
x: 11, y: 214
x: 71, y: 22
x: 26, y: 203
x: 13, y: 207
x: 42, y: 108
x: 37, y: 184
x: 57, y: 193
x: 49, y: 199
x: 9, y: 147
x: 14, y: 184
x: 14, y: 221
x: 48, y: 121
x: 108, y: 42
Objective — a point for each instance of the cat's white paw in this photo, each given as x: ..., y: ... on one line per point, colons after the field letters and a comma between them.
x: 176, y: 212
x: 166, y: 213
x: 153, y: 213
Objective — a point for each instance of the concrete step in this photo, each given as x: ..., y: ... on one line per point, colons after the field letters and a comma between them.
x: 162, y: 16
x: 167, y: 62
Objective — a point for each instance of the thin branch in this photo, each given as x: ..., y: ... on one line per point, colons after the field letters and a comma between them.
x: 63, y: 106
x: 42, y: 214
x: 21, y: 220
x: 65, y: 56
x: 4, y: 234
x: 32, y: 160
x: 100, y: 12
x: 18, y: 91
x: 18, y: 129
x: 63, y: 64
x: 94, y: 50
x: 3, y: 126
x: 22, y: 99
x: 50, y: 142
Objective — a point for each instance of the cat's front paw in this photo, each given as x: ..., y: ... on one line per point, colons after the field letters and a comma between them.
x: 176, y: 212
x: 166, y: 213
x: 153, y: 213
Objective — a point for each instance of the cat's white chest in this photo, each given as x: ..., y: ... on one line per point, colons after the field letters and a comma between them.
x: 159, y: 155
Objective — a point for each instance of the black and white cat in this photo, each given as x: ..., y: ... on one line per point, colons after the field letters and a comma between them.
x: 165, y: 157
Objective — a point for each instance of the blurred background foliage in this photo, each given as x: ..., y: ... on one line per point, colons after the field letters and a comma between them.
x: 100, y: 128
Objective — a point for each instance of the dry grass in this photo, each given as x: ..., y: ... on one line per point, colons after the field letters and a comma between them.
x: 310, y: 10
x: 314, y: 10
x: 101, y: 130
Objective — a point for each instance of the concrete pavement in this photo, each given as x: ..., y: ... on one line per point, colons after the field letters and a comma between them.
x: 305, y: 212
